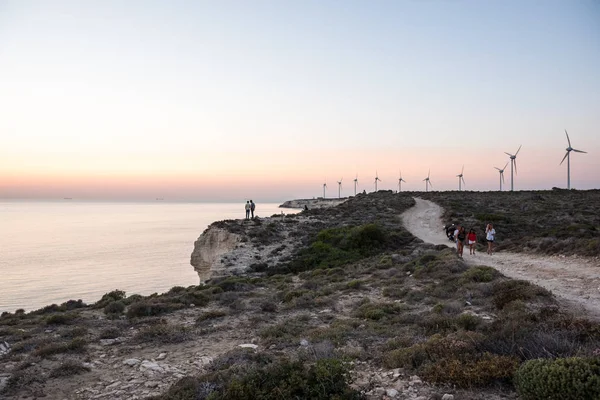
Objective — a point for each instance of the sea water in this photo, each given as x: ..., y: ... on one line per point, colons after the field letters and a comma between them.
x: 54, y: 251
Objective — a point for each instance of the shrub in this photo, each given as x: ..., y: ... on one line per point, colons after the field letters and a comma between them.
x: 515, y: 289
x: 210, y: 315
x: 150, y: 308
x: 48, y: 349
x: 377, y: 311
x: 110, y: 333
x: 563, y: 378
x: 109, y: 297
x: 488, y: 369
x: 326, y: 379
x: 480, y: 274
x: 334, y: 247
x: 354, y: 284
x: 68, y: 368
x: 163, y: 333
x: 116, y: 308
x: 60, y: 319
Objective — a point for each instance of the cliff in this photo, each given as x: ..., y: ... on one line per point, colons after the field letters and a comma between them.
x: 313, y: 203
x: 233, y: 247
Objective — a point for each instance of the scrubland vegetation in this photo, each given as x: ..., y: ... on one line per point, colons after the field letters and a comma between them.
x: 359, y: 288
x: 548, y: 222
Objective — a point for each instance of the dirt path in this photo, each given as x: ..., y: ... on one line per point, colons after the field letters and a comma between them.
x: 575, y: 279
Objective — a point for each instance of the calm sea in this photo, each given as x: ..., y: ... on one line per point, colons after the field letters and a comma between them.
x: 51, y: 252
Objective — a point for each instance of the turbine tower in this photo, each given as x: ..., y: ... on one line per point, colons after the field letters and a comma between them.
x: 355, y: 182
x: 513, y: 165
x: 324, y: 187
x: 400, y: 180
x: 501, y: 174
x: 340, y: 188
x: 460, y: 178
x: 376, y: 179
x: 568, y: 157
x: 428, y: 182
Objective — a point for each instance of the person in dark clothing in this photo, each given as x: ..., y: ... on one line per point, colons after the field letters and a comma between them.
x: 252, y: 208
x: 450, y: 231
x: 460, y: 241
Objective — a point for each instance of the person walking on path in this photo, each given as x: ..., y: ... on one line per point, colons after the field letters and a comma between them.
x: 472, y: 240
x: 460, y: 240
x: 247, y: 207
x: 455, y: 236
x: 490, y: 236
x: 252, y: 208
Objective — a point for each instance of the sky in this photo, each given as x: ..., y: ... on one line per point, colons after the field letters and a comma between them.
x: 232, y: 100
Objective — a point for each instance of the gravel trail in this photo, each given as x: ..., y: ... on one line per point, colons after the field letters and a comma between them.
x: 575, y: 279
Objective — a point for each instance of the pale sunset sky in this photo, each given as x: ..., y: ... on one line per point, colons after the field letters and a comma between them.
x: 231, y: 100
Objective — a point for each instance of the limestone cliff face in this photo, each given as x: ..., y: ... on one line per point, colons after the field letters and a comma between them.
x: 209, y: 250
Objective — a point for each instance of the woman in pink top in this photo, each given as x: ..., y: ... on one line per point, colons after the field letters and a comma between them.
x: 472, y: 240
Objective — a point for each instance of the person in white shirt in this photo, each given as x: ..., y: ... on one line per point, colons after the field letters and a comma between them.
x: 490, y: 236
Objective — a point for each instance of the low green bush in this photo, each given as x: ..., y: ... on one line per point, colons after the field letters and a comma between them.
x: 163, y: 333
x: 151, y: 308
x: 109, y: 297
x: 60, y: 319
x: 559, y: 379
x: 508, y: 291
x: 480, y: 274
x: 283, y: 379
x: 114, y: 308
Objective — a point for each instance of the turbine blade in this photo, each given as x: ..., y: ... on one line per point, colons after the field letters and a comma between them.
x: 502, y: 175
x: 498, y: 168
x: 518, y: 150
x: 505, y: 165
x: 568, y: 140
x: 508, y: 154
x: 515, y: 161
x: 430, y: 184
x: 463, y: 169
x: 579, y: 151
x: 566, y: 155
x: 463, y: 180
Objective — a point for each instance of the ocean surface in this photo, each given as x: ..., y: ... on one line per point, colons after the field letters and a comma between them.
x: 54, y: 251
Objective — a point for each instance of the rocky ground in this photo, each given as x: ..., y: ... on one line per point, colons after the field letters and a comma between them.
x: 408, y: 319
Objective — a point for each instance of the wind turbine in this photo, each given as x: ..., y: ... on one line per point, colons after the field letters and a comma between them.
x: 428, y: 182
x: 568, y: 157
x: 376, y: 179
x: 513, y: 165
x: 340, y: 188
x: 400, y: 180
x: 324, y: 187
x: 355, y: 182
x: 460, y: 178
x: 501, y: 174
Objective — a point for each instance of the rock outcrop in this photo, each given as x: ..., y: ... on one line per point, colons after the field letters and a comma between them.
x: 212, y: 244
x: 313, y: 203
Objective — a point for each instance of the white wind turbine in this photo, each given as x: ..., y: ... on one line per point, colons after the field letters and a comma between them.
x: 568, y: 157
x: 324, y: 187
x: 460, y: 178
x: 340, y: 188
x: 501, y: 174
x: 400, y: 180
x: 513, y: 165
x: 355, y: 182
x: 376, y: 179
x: 428, y: 182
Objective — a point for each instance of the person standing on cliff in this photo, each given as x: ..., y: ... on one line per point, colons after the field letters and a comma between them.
x: 247, y: 207
x: 252, y: 208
